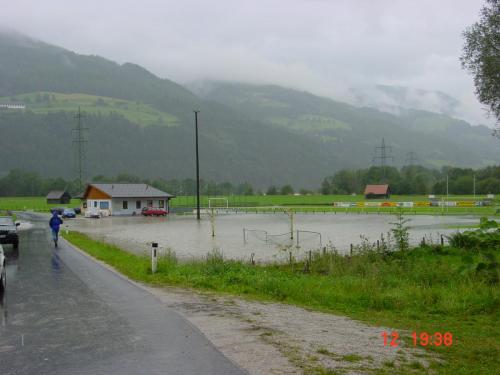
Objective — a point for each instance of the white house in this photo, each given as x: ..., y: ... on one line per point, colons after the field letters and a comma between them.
x: 123, y: 199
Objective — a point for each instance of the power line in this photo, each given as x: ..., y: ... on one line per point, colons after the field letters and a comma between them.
x: 79, y: 141
x: 411, y: 158
x: 382, y: 154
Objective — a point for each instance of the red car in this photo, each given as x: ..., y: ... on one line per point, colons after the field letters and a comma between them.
x: 150, y: 211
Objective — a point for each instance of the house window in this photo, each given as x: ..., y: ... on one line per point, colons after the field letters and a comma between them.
x: 161, y: 203
x: 125, y: 205
x: 104, y: 205
x: 138, y: 205
x: 84, y: 204
x: 150, y: 203
x: 95, y: 203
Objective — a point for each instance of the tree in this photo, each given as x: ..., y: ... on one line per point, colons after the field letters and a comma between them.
x: 286, y: 190
x: 272, y: 190
x: 481, y: 56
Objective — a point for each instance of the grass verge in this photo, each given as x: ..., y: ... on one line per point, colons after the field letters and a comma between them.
x: 422, y: 290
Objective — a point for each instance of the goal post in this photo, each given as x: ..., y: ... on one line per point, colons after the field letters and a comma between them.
x: 218, y: 202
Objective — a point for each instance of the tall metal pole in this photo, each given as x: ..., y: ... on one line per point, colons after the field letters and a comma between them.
x: 197, y: 168
x: 79, y: 141
x: 447, y: 193
x: 474, y: 187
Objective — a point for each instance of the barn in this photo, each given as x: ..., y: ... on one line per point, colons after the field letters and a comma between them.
x: 377, y: 192
x: 58, y: 197
x: 123, y: 199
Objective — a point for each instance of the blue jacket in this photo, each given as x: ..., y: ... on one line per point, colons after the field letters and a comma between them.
x: 55, y: 222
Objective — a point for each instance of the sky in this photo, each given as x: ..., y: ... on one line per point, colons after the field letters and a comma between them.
x: 325, y: 47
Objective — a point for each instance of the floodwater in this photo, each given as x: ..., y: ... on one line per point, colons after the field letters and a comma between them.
x: 237, y: 236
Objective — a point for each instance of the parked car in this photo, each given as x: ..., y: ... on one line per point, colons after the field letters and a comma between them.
x: 58, y: 210
x: 3, y: 273
x: 150, y: 211
x: 69, y: 213
x: 78, y: 210
x: 8, y: 231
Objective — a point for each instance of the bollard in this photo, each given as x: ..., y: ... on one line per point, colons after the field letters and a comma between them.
x: 154, y: 256
x: 351, y: 249
x: 310, y: 257
x: 378, y: 244
x: 442, y: 240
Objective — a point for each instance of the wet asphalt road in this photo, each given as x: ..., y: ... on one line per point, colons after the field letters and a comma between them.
x: 65, y: 314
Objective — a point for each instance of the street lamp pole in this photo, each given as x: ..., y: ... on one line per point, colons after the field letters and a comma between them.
x: 197, y: 167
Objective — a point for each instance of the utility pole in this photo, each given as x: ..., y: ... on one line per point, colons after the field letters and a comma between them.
x: 474, y: 186
x: 197, y: 167
x: 411, y: 158
x: 383, y: 153
x: 447, y: 193
x: 79, y: 141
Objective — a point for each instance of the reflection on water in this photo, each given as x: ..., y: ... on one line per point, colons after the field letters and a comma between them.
x: 190, y: 238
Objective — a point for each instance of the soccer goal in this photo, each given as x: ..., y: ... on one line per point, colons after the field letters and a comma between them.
x: 218, y: 202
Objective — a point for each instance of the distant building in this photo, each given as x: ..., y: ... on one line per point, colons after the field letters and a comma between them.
x: 123, y: 199
x: 12, y: 106
x: 377, y: 192
x: 58, y: 197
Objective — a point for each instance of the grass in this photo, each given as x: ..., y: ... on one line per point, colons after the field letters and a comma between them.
x: 31, y: 203
x: 278, y: 203
x: 136, y: 112
x: 309, y: 200
x: 420, y: 290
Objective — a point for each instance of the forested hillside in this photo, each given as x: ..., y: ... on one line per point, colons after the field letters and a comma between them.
x: 141, y: 124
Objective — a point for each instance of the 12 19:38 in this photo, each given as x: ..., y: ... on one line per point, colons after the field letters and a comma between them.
x: 422, y: 339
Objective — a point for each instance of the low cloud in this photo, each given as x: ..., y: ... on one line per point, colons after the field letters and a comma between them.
x: 325, y: 47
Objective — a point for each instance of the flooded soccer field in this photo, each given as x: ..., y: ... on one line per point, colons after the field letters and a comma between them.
x: 265, y: 235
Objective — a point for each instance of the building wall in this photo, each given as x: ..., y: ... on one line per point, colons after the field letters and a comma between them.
x: 117, y: 205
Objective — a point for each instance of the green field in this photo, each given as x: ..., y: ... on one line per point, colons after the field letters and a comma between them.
x: 310, y: 200
x: 137, y: 112
x: 278, y: 203
x: 31, y: 204
x: 424, y: 289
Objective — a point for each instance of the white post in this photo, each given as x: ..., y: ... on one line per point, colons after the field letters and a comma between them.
x: 212, y: 220
x: 154, y: 257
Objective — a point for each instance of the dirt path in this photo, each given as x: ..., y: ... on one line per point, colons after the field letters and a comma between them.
x: 272, y: 338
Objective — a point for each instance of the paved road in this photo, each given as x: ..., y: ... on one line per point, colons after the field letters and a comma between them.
x: 65, y: 314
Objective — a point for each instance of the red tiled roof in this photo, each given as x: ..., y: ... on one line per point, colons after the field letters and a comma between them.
x: 377, y: 189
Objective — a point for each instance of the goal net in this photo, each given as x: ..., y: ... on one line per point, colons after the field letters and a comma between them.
x: 218, y: 203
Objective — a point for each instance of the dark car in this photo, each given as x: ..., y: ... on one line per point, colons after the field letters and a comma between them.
x: 8, y: 231
x: 69, y: 213
x: 150, y: 211
x: 77, y: 210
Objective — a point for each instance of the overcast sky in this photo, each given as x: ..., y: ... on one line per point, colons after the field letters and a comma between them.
x: 325, y: 47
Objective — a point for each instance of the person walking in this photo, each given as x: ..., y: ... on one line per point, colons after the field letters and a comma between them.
x: 55, y: 223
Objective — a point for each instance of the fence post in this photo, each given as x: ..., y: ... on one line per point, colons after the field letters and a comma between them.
x: 351, y: 249
x: 154, y: 257
x: 310, y: 257
x: 244, y: 237
x: 442, y: 240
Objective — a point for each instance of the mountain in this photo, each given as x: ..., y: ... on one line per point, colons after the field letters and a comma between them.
x: 52, y: 82
x: 144, y: 125
x: 353, y: 133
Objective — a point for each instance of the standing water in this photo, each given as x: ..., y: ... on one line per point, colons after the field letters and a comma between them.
x: 237, y: 236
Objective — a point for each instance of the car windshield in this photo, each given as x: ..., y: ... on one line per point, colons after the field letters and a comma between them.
x: 69, y: 210
x: 4, y: 221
